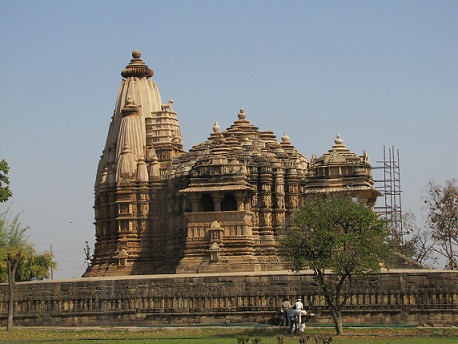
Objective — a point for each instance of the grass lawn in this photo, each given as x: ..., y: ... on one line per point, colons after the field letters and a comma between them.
x: 225, y: 335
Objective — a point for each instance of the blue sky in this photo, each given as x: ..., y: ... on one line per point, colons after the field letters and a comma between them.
x: 380, y: 73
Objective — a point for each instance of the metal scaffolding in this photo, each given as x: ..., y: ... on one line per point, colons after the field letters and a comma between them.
x: 389, y: 184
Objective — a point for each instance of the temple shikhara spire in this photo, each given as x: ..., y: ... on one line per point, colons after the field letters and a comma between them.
x: 218, y: 207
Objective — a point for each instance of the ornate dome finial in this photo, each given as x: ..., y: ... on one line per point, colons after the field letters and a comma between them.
x: 242, y: 114
x: 285, y: 138
x: 216, y: 127
x: 137, y: 68
x: 338, y: 140
x: 339, y: 145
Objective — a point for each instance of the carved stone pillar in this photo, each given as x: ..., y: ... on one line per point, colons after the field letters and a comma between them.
x: 194, y: 199
x: 240, y: 197
x: 278, y: 220
x: 217, y: 199
x: 293, y: 190
x: 265, y: 210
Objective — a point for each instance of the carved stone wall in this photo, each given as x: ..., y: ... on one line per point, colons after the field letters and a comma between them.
x: 413, y: 297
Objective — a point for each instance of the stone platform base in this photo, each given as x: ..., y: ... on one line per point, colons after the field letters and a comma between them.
x: 407, y: 297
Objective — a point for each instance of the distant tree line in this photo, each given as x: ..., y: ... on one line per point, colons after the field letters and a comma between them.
x: 438, y: 238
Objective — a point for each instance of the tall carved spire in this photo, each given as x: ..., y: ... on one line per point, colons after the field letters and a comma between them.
x: 143, y: 137
x: 138, y: 99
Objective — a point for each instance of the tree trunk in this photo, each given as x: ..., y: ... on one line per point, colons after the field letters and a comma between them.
x: 9, y: 324
x: 338, y: 323
x: 12, y: 266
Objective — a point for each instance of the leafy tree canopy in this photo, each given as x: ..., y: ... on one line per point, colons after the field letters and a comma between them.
x: 33, y: 265
x: 5, y: 192
x: 336, y: 234
x: 338, y: 239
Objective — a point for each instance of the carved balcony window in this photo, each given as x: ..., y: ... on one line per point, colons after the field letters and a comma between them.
x: 229, y: 203
x: 206, y: 203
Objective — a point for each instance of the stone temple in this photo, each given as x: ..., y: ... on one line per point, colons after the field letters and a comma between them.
x: 219, y: 207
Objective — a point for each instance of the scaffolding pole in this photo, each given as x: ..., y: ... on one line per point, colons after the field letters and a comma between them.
x: 390, y: 187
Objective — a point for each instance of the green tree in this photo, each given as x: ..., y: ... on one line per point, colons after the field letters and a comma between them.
x: 18, y: 259
x: 5, y: 192
x: 339, y: 240
x: 442, y: 219
x: 13, y: 239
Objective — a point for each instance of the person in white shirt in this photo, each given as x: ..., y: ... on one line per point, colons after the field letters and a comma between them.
x: 299, y: 307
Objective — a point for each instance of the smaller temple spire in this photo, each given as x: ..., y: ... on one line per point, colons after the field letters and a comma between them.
x: 130, y: 108
x: 137, y: 68
x: 127, y: 167
x: 216, y: 134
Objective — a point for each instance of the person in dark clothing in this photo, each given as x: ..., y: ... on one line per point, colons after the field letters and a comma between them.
x: 293, y: 314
